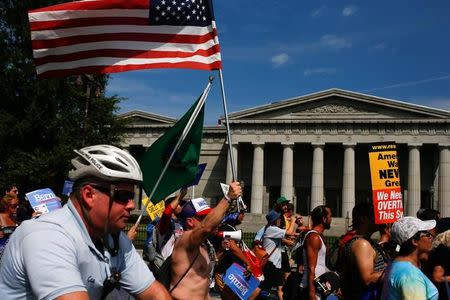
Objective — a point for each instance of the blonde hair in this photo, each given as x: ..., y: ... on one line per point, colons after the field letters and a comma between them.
x: 442, y: 238
x: 6, y: 201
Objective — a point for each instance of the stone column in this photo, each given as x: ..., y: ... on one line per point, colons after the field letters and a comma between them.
x: 413, y: 204
x: 287, y: 171
x: 257, y: 178
x: 317, y: 176
x: 235, y: 158
x: 444, y: 181
x: 348, y: 182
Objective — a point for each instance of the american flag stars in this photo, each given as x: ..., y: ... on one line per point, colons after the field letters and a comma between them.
x: 179, y: 12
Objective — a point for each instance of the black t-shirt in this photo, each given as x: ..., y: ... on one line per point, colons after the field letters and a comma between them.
x: 440, y: 256
x: 228, y: 258
x: 24, y: 211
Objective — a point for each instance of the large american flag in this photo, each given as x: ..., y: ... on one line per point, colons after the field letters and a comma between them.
x: 107, y: 36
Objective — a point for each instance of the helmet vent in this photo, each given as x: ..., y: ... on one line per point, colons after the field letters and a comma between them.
x: 121, y: 161
x: 114, y: 167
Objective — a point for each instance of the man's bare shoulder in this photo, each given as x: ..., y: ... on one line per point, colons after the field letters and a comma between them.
x: 362, y: 247
x: 314, y: 240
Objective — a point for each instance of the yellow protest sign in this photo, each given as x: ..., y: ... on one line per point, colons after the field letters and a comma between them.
x: 385, y: 178
x: 154, y: 210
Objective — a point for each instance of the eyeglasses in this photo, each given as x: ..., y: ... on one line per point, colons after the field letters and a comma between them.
x: 424, y: 233
x: 119, y: 196
x: 14, y: 205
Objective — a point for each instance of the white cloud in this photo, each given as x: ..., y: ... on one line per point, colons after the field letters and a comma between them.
x: 379, y: 47
x: 318, y: 12
x: 335, y: 42
x: 319, y: 71
x: 349, y: 10
x: 280, y: 59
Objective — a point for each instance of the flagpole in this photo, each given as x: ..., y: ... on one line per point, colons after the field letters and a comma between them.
x: 230, y: 146
x: 186, y: 130
x: 240, y: 202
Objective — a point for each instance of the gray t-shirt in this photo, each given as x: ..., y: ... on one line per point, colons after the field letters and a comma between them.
x: 54, y: 255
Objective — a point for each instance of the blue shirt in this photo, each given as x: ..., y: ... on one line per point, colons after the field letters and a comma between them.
x: 54, y: 255
x: 403, y: 280
x: 271, y: 239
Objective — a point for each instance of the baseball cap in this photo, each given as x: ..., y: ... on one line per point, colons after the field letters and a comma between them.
x: 272, y: 216
x: 195, y: 207
x: 405, y: 228
x: 282, y: 199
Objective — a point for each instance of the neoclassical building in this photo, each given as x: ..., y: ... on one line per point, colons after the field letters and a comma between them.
x: 313, y: 149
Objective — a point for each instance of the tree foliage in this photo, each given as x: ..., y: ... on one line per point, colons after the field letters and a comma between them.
x: 42, y: 121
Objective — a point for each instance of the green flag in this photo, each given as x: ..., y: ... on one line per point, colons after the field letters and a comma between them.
x: 184, y: 165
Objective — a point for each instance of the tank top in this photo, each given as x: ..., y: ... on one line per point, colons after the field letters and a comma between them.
x: 321, y: 260
x: 351, y: 281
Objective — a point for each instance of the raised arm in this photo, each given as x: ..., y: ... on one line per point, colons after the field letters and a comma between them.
x: 213, y: 219
x: 164, y: 224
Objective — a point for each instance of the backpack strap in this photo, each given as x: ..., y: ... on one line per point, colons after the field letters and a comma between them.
x: 276, y: 245
x: 185, y: 273
x: 264, y: 232
x: 306, y: 235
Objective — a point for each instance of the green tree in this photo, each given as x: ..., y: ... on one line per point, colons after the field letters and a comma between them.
x: 42, y: 121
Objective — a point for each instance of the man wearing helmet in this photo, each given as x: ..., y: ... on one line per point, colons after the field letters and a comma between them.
x: 80, y: 251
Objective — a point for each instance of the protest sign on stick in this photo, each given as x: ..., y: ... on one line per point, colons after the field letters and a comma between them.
x: 154, y: 210
x: 43, y: 200
x: 385, y: 177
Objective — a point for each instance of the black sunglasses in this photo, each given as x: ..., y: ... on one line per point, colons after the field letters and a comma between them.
x: 420, y: 234
x: 119, y: 196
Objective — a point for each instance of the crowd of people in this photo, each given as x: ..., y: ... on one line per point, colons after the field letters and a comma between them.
x: 82, y: 252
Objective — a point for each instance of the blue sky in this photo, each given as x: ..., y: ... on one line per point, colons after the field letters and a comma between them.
x: 393, y: 49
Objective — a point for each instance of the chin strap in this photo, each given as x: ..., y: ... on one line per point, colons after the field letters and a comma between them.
x: 114, y: 250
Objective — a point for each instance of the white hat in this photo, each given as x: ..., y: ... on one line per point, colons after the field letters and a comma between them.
x: 405, y: 228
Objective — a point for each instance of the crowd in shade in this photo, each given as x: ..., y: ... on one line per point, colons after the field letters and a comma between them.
x: 81, y: 251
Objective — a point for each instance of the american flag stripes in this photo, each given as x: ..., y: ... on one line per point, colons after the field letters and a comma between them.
x: 107, y: 36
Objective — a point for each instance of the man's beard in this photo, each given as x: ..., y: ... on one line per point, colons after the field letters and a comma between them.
x: 326, y: 225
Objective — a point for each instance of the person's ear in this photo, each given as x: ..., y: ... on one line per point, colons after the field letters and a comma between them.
x: 190, y: 222
x: 87, y: 196
x: 415, y: 242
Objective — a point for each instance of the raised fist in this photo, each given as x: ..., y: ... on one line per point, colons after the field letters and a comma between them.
x: 235, y: 190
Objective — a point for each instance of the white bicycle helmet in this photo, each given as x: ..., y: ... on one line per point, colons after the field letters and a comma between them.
x: 106, y: 162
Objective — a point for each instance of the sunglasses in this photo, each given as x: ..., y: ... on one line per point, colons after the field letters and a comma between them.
x: 14, y: 205
x: 119, y: 196
x: 424, y: 233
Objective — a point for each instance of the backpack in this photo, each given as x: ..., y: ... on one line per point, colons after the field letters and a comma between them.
x: 335, y: 257
x: 155, y: 259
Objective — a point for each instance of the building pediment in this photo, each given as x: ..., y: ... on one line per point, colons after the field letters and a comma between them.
x: 336, y: 104
x: 137, y: 117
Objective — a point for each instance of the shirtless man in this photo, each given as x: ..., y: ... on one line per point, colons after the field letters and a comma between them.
x: 199, y: 221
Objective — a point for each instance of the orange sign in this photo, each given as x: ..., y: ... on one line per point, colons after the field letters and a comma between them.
x: 385, y: 177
